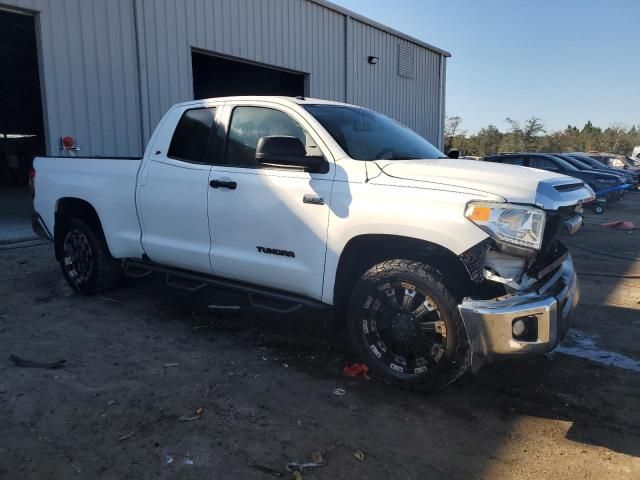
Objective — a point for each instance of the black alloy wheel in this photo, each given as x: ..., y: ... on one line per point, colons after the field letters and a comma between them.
x: 405, y: 325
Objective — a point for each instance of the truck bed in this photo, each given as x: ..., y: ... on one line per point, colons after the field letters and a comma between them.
x: 107, y: 183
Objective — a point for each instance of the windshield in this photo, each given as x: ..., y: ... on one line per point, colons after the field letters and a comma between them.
x: 590, y: 161
x: 579, y: 164
x: 564, y: 164
x: 367, y: 135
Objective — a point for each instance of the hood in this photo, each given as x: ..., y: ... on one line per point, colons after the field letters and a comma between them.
x: 617, y: 173
x: 596, y: 174
x: 512, y: 183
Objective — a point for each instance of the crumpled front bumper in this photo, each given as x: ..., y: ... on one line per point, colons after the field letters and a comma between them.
x: 489, y: 322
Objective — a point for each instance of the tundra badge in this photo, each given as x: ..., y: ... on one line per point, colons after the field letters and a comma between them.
x: 276, y: 251
x: 313, y: 199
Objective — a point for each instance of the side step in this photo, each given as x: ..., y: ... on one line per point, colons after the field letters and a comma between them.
x: 259, y: 297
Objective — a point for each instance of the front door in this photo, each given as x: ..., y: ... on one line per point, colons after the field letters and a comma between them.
x: 268, y: 225
x: 172, y: 191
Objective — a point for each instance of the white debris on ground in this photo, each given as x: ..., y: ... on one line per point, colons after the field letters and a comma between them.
x: 584, y: 346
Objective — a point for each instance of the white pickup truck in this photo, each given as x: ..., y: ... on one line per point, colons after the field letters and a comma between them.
x: 434, y: 264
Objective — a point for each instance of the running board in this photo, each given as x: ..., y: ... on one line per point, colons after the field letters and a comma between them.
x: 284, y: 302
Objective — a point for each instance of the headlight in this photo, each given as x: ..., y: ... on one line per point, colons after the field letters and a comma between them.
x: 515, y: 225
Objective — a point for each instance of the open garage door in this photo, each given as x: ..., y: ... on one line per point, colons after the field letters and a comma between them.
x: 215, y: 76
x: 21, y: 125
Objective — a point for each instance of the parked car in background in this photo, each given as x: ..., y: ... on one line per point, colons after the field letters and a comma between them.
x: 636, y: 153
x: 583, y: 162
x: 613, y: 160
x: 631, y: 164
x: 546, y: 161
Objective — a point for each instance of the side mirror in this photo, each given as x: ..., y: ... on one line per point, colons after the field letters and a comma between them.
x: 453, y: 153
x: 288, y: 152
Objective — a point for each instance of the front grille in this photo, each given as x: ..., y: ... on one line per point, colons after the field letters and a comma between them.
x: 543, y: 266
x: 551, y: 250
x: 551, y: 231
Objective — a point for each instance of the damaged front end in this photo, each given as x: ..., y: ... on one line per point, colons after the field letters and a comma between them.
x: 524, y: 297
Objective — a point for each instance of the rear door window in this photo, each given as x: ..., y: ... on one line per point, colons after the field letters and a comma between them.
x: 543, y: 164
x: 191, y: 140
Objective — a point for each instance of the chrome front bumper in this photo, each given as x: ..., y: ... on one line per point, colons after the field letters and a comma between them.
x: 489, y: 322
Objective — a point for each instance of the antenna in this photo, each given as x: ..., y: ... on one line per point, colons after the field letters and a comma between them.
x: 357, y: 86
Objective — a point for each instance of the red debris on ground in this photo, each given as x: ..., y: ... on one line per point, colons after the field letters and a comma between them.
x: 620, y: 225
x: 355, y: 370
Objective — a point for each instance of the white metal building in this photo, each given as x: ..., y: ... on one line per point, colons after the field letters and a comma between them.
x: 108, y: 69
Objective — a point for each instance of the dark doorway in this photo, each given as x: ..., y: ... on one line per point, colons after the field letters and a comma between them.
x: 21, y: 128
x: 215, y: 76
x: 21, y: 125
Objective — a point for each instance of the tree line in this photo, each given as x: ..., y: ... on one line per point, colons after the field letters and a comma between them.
x: 531, y: 136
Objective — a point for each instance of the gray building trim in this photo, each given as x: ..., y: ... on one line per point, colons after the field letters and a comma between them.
x: 443, y: 105
x: 379, y: 26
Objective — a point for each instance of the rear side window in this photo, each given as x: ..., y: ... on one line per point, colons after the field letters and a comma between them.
x: 190, y: 142
x: 248, y: 125
x: 543, y: 164
x: 513, y: 160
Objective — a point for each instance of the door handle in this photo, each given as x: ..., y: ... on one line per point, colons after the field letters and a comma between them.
x: 223, y: 184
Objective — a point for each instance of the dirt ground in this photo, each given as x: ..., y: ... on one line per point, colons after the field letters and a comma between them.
x: 143, y: 358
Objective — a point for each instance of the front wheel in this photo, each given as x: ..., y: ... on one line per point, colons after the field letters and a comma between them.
x: 85, y: 260
x: 405, y: 324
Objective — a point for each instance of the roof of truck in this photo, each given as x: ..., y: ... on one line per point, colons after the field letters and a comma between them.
x: 299, y: 100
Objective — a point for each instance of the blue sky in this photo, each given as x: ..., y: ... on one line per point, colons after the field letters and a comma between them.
x: 565, y: 61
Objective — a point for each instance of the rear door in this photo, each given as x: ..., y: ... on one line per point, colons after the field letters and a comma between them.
x: 173, y: 188
x: 269, y: 225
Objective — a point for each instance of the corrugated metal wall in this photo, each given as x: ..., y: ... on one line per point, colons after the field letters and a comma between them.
x: 413, y: 101
x: 293, y: 34
x: 113, y: 67
x: 89, y: 64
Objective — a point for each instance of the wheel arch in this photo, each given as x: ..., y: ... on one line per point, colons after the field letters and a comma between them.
x: 73, y: 207
x: 363, y: 251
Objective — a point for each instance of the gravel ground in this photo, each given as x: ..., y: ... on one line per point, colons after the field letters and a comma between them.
x: 142, y: 359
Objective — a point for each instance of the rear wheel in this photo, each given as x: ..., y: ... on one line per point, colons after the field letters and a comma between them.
x: 85, y: 260
x: 405, y: 325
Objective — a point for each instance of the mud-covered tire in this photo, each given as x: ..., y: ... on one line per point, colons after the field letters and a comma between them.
x: 85, y: 260
x: 427, y: 368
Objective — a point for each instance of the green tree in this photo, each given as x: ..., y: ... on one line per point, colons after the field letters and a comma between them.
x: 452, y: 130
x: 591, y: 137
x: 513, y: 140
x: 531, y: 132
x: 487, y: 141
x: 532, y: 136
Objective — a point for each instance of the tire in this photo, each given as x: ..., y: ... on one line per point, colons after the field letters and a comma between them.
x: 85, y: 260
x: 423, y: 344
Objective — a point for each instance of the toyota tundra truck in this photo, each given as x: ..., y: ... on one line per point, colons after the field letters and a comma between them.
x: 435, y: 265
